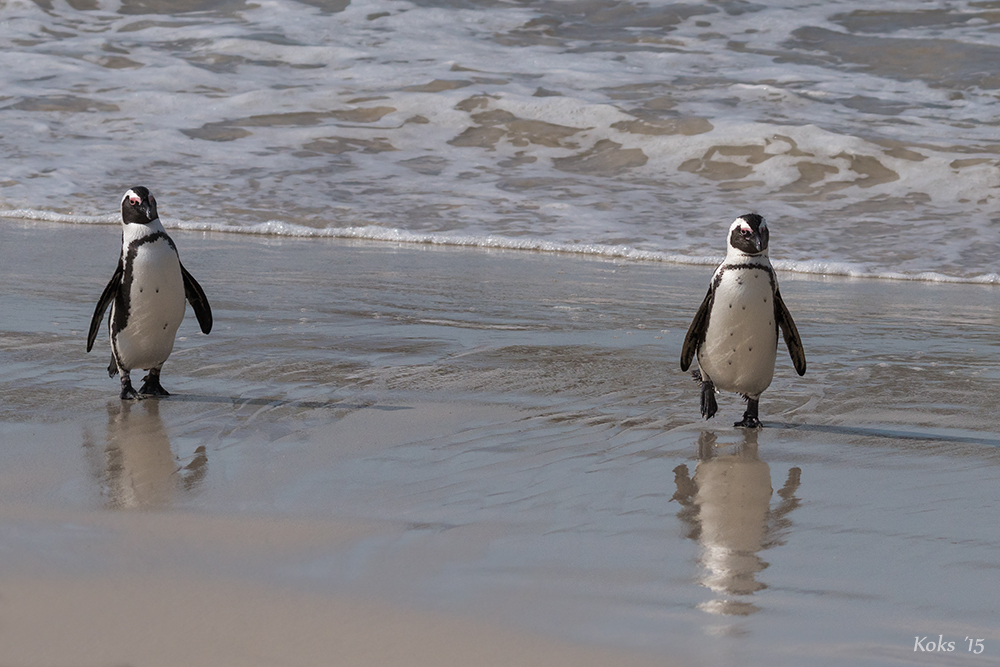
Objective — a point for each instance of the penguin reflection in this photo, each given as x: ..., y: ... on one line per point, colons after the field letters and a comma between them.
x: 728, y: 506
x: 137, y: 468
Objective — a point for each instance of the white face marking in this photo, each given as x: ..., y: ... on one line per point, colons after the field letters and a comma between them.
x: 132, y: 197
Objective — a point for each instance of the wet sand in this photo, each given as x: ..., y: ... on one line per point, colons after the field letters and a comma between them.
x: 422, y: 455
x: 180, y: 589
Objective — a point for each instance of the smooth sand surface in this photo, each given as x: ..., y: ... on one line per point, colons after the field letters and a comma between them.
x: 150, y: 610
x: 388, y: 454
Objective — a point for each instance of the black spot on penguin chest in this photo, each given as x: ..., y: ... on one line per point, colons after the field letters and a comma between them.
x: 742, y: 277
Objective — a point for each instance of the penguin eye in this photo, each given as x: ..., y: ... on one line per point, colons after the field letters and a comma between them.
x: 135, y: 201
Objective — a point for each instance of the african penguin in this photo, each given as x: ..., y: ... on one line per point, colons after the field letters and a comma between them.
x: 146, y: 295
x: 735, y: 331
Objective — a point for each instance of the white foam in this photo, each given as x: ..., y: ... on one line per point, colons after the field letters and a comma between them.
x: 285, y: 229
x: 845, y: 161
x: 625, y: 252
x: 50, y: 216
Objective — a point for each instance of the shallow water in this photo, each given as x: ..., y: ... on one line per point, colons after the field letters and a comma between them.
x: 526, y: 444
x: 609, y: 127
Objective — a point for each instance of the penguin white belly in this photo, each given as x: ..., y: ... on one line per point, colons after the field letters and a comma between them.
x: 741, y: 342
x: 156, y: 308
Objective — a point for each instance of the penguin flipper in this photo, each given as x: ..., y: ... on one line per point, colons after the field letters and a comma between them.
x: 109, y: 294
x: 696, y: 332
x: 790, y: 334
x: 199, y: 302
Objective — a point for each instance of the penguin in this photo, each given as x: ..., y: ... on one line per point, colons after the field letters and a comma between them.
x: 146, y: 295
x: 735, y: 331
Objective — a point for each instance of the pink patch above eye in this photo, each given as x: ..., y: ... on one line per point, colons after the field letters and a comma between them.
x: 134, y: 199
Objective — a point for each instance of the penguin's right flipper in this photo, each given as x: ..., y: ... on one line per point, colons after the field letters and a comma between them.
x: 790, y: 334
x: 199, y: 302
x: 696, y: 332
x: 109, y: 294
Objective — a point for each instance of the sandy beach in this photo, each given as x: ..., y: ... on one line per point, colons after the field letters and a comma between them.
x: 403, y: 455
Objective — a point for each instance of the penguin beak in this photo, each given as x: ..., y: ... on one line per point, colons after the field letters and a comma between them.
x: 754, y: 243
x: 147, y: 209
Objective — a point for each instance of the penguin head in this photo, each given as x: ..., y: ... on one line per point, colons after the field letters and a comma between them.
x: 748, y: 234
x: 138, y: 206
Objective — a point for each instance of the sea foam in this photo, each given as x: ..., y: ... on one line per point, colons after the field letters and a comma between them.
x: 639, y: 133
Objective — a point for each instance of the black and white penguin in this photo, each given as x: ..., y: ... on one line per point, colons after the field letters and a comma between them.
x: 146, y: 295
x: 735, y: 332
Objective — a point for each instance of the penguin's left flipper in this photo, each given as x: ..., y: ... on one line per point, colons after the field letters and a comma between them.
x: 109, y: 294
x: 696, y: 332
x: 790, y: 334
x: 199, y: 302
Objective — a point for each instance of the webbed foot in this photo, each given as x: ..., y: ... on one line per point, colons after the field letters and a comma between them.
x: 708, y: 404
x: 750, y: 419
x: 151, y: 384
x: 128, y: 393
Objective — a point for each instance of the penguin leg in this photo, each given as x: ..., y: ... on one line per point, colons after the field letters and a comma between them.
x: 112, y: 367
x: 750, y: 419
x: 151, y: 384
x: 708, y: 405
x: 128, y: 393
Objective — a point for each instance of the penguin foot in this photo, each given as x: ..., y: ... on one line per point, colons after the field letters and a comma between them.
x: 749, y: 422
x: 128, y: 393
x: 750, y: 419
x: 151, y: 385
x: 708, y: 405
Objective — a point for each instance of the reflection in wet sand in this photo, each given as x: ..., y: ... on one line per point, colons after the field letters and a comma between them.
x: 137, y: 469
x: 728, y: 506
